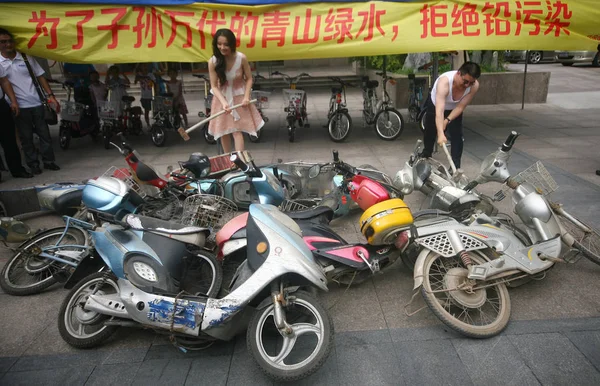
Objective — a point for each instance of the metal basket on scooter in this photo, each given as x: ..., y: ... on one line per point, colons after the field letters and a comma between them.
x: 537, y: 175
x: 162, y: 103
x: 126, y: 177
x: 262, y: 98
x: 294, y: 97
x: 71, y: 111
x: 208, y: 211
x: 109, y: 109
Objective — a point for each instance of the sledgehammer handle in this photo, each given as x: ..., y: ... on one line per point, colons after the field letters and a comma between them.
x: 184, y: 133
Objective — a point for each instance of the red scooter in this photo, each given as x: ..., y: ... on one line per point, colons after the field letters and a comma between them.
x: 343, y: 262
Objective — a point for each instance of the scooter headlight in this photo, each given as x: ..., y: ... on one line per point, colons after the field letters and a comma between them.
x: 145, y: 271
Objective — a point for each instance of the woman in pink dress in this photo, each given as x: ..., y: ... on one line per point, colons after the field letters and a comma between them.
x: 231, y: 83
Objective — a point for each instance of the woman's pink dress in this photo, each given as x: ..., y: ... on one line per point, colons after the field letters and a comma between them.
x: 246, y: 119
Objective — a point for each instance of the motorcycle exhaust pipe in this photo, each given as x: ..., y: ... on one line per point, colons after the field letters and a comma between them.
x: 107, y: 305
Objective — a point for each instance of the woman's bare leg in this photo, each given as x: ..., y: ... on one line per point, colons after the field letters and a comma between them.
x: 238, y: 138
x: 226, y: 143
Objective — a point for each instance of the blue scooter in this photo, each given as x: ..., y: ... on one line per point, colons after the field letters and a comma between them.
x: 140, y: 277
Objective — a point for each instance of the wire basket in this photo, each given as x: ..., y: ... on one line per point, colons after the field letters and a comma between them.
x: 262, y: 97
x: 164, y: 104
x: 71, y: 111
x: 109, y: 109
x: 292, y: 95
x: 126, y: 177
x: 164, y: 208
x: 537, y: 175
x: 208, y: 211
x: 292, y: 206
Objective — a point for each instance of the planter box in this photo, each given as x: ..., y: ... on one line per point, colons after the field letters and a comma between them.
x: 495, y: 88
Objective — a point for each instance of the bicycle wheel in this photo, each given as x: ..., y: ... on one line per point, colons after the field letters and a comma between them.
x: 389, y: 124
x: 26, y: 273
x: 587, y: 241
x: 339, y: 126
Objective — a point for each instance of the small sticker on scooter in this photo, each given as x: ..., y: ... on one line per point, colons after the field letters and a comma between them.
x: 278, y: 251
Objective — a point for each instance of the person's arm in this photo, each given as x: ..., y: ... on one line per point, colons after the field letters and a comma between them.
x: 248, y: 76
x: 8, y: 90
x: 442, y: 90
x: 462, y: 105
x: 127, y: 82
x: 214, y: 84
x: 48, y: 90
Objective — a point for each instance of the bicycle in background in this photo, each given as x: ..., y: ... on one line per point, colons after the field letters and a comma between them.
x: 388, y: 121
x: 339, y: 123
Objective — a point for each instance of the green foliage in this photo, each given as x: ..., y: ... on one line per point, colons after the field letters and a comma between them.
x: 394, y: 62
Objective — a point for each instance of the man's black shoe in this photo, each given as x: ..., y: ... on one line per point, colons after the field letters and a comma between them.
x: 23, y: 174
x: 51, y: 166
x: 598, y: 172
x: 35, y: 169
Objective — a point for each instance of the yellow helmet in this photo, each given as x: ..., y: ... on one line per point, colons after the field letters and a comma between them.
x: 382, y: 222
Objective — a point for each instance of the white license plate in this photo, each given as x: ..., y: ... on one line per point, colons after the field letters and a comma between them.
x: 563, y: 55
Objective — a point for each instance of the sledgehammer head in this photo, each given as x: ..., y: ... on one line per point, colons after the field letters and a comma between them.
x: 183, y: 134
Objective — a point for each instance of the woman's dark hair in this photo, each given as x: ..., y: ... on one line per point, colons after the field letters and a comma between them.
x: 220, y: 65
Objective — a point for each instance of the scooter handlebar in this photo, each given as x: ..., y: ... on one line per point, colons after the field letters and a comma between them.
x: 238, y: 162
x: 510, y: 141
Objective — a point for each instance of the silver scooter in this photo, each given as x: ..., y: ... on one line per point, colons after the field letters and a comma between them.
x: 463, y: 268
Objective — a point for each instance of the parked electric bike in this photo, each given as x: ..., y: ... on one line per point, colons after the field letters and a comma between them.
x: 143, y: 284
x: 339, y: 123
x: 76, y: 119
x: 294, y: 101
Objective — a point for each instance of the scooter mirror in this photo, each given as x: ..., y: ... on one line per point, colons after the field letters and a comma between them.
x: 314, y: 171
x: 169, y: 169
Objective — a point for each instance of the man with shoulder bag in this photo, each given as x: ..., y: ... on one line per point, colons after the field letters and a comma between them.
x: 26, y: 78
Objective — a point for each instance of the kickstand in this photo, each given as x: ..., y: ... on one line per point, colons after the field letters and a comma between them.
x: 412, y: 299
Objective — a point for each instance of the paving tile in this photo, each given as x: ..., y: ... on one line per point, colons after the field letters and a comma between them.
x: 6, y: 363
x: 555, y: 360
x: 519, y: 327
x: 115, y: 374
x: 162, y: 372
x: 59, y: 377
x: 493, y: 361
x: 210, y: 370
x: 422, y: 334
x: 83, y: 358
x: 327, y: 375
x: 358, y: 338
x: 368, y: 365
x: 244, y: 371
x: 432, y: 362
x: 129, y: 355
x: 588, y: 342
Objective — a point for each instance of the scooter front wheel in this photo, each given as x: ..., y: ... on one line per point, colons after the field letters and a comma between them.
x: 280, y: 355
x: 458, y: 303
x: 82, y: 328
x: 64, y: 138
x: 158, y: 135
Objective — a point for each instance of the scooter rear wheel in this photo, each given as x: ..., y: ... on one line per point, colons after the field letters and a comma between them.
x: 306, y: 316
x: 207, y: 136
x: 158, y: 135
x: 81, y: 328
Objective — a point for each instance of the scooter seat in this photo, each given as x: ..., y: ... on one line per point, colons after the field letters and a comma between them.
x: 312, y: 213
x: 184, y: 233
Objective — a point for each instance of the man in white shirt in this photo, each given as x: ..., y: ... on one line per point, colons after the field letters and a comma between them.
x: 31, y: 117
x: 451, y: 94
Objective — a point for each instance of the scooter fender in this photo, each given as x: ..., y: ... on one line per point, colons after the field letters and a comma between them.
x: 419, y: 268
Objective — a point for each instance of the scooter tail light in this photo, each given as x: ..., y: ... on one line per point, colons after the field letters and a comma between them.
x: 402, y: 240
x: 338, y: 98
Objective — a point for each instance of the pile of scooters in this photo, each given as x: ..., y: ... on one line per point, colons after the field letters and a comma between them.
x: 221, y: 246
